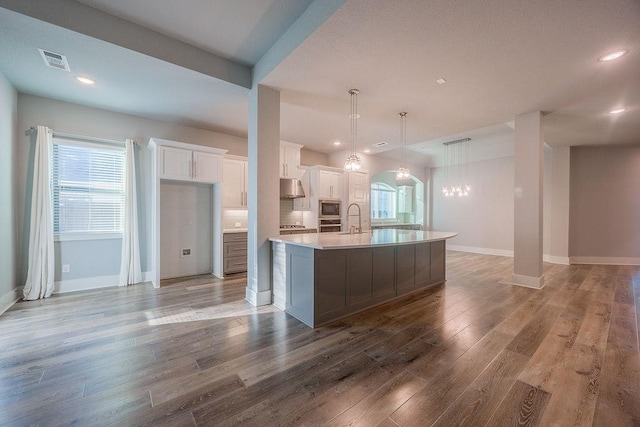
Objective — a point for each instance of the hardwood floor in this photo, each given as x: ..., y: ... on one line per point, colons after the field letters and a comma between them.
x: 475, y: 351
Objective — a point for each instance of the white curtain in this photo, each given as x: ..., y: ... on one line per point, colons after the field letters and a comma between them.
x: 130, y: 271
x: 41, y: 268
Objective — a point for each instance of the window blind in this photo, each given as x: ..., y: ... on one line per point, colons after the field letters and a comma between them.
x: 88, y: 187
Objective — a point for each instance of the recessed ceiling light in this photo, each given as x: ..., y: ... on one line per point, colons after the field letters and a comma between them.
x: 613, y: 55
x: 618, y: 111
x: 337, y: 142
x: 367, y: 150
x: 85, y: 80
x: 441, y: 81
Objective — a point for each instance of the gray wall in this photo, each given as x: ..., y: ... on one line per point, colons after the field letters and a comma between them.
x: 312, y: 158
x: 604, y: 202
x: 484, y: 219
x: 8, y: 140
x: 94, y: 258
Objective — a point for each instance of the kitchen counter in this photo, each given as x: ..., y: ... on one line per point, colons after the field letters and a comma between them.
x: 319, y: 278
x: 235, y: 230
x: 383, y: 237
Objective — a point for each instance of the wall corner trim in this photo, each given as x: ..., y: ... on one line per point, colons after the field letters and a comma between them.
x: 258, y: 298
x: 528, y: 281
x: 553, y: 259
x: 7, y: 300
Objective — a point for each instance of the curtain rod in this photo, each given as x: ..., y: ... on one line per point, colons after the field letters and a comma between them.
x: 80, y: 137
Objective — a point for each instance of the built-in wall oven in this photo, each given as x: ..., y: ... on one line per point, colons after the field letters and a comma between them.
x: 329, y: 209
x: 329, y: 216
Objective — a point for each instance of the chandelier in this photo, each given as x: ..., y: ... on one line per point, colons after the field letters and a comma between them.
x: 403, y: 171
x: 353, y: 161
x: 457, y: 168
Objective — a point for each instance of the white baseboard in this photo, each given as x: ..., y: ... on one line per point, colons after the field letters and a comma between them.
x: 258, y: 298
x: 88, y: 283
x: 604, y: 260
x: 10, y: 298
x: 484, y: 251
x: 279, y: 303
x: 85, y: 284
x: 552, y: 259
x: 528, y: 281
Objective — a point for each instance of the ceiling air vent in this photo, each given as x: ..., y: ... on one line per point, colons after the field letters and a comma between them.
x: 54, y: 60
x: 379, y: 144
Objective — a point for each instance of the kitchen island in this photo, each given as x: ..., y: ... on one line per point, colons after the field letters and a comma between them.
x: 321, y: 277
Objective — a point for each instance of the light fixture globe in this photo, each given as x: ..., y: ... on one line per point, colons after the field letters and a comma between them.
x: 352, y: 163
x: 403, y: 173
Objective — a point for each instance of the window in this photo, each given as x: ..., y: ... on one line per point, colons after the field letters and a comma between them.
x: 88, y: 187
x: 383, y: 201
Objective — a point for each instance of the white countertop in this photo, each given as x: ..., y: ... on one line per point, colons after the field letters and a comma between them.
x: 383, y: 237
x: 234, y: 230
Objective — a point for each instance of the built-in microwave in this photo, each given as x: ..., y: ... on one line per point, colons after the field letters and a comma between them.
x: 329, y: 209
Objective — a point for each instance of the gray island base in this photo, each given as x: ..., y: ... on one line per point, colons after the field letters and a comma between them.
x: 322, y: 277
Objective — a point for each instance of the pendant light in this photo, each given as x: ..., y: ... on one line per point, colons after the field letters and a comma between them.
x: 403, y: 171
x: 353, y: 161
x: 457, y: 168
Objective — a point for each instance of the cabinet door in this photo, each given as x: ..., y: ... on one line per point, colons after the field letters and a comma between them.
x: 359, y: 188
x: 234, y: 184
x: 329, y: 185
x: 336, y: 185
x: 289, y: 161
x: 207, y: 167
x: 175, y: 163
x: 324, y: 184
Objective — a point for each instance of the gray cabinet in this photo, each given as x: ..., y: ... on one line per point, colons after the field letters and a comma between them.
x: 325, y: 285
x: 235, y: 252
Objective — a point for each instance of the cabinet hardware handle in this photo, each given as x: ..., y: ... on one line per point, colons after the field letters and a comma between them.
x: 241, y: 198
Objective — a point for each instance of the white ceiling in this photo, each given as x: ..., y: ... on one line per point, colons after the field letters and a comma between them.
x: 500, y: 58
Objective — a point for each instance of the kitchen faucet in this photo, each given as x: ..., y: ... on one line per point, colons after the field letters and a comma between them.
x: 351, y: 229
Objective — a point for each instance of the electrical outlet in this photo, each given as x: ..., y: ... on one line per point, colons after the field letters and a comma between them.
x: 238, y: 224
x: 66, y: 268
x: 186, y: 252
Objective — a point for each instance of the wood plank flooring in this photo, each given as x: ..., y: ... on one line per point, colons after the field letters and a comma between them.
x: 475, y: 351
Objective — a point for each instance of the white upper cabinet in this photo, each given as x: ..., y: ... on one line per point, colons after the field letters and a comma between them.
x: 207, y: 167
x: 234, y: 183
x: 289, y: 160
x: 185, y: 162
x: 329, y: 184
x: 175, y: 163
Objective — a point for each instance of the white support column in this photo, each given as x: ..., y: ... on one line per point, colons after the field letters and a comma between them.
x: 529, y: 175
x: 263, y: 191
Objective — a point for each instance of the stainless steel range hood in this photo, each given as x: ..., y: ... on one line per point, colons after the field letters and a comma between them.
x: 291, y: 188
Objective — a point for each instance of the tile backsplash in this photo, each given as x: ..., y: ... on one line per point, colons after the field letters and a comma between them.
x: 231, y: 216
x: 287, y: 215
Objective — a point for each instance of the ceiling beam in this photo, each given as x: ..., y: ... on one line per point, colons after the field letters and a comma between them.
x: 310, y: 20
x: 92, y: 22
